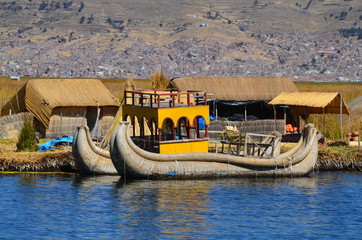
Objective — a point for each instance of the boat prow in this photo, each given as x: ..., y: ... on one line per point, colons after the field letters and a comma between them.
x: 134, y: 162
x: 88, y: 157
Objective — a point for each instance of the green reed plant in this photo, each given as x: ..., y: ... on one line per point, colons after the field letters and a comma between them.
x: 27, y: 141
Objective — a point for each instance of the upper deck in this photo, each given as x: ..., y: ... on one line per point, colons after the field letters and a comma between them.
x: 164, y: 98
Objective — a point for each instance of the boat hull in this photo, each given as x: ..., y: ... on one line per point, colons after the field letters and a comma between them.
x: 89, y: 158
x: 134, y: 162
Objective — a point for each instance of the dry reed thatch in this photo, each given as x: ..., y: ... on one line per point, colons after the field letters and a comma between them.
x: 339, y: 158
x: 312, y: 102
x: 237, y: 88
x: 159, y: 80
x: 41, y: 96
x: 349, y: 91
x: 37, y: 162
x: 8, y: 89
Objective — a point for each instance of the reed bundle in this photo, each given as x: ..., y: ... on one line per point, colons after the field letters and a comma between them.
x: 37, y: 162
x: 339, y: 158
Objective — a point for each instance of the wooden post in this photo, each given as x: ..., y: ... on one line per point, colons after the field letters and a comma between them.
x: 285, y: 120
x: 324, y: 122
x: 275, y: 118
x: 60, y: 124
x: 216, y: 113
x: 158, y: 101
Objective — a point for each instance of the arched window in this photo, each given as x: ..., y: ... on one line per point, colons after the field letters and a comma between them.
x: 183, y: 128
x: 167, y: 130
x: 200, y: 127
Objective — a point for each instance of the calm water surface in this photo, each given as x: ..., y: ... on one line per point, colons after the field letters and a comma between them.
x: 39, y: 206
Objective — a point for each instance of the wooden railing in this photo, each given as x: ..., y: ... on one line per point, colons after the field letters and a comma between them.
x: 164, y: 98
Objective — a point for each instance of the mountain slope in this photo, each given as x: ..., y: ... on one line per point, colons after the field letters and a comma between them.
x: 85, y: 35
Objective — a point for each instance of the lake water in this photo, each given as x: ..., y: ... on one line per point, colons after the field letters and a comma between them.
x: 47, y: 206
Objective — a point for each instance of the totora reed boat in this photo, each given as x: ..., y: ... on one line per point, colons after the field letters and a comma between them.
x: 164, y: 135
x: 89, y: 158
x: 134, y: 162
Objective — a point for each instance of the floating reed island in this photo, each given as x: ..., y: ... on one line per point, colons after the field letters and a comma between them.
x: 339, y: 158
x: 57, y: 161
x: 329, y: 159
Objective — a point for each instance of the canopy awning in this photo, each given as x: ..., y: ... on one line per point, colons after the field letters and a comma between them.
x: 312, y: 102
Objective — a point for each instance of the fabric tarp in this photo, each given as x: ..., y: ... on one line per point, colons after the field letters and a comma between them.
x: 65, y: 141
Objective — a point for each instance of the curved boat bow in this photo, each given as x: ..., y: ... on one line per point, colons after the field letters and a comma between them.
x: 88, y: 157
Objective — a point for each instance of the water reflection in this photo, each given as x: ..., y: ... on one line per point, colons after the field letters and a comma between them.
x: 76, y: 206
x: 164, y: 207
x: 94, y: 181
x: 184, y: 207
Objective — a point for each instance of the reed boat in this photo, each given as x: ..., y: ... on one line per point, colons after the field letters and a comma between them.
x: 132, y: 161
x: 89, y: 158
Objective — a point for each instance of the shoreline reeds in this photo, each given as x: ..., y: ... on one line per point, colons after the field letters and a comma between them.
x: 38, y: 162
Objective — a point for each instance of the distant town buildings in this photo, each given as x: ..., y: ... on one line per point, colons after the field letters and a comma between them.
x: 299, y: 56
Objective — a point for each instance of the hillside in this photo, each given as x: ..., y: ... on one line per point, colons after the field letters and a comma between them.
x: 132, y: 38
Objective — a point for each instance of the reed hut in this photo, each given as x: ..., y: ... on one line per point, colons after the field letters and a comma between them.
x: 305, y: 103
x: 241, y: 98
x: 60, y: 105
x: 229, y: 93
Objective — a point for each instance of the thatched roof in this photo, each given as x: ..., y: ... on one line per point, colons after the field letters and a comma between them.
x: 238, y: 88
x: 41, y: 96
x: 312, y: 102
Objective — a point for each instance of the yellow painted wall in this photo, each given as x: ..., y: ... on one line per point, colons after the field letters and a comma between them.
x: 140, y: 112
x: 190, y: 112
x: 183, y: 147
x: 173, y: 113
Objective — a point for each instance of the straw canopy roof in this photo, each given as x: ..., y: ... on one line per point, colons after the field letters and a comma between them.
x: 312, y: 102
x: 237, y: 88
x: 41, y: 96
